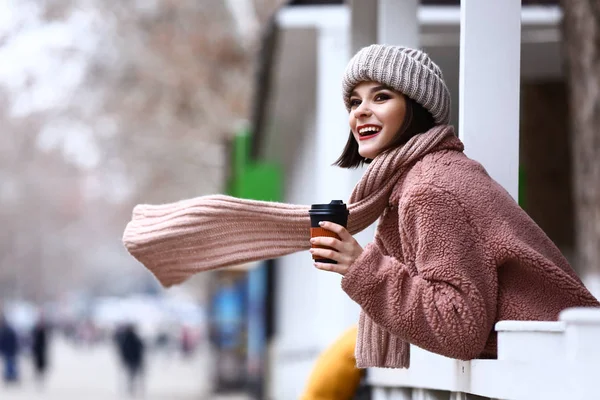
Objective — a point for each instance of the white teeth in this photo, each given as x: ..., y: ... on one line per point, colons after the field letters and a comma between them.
x: 369, y: 129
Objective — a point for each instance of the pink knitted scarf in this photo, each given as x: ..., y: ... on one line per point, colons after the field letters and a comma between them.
x: 176, y: 240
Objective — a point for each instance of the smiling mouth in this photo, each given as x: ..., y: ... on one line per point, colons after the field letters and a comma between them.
x: 368, y: 132
x: 367, y: 137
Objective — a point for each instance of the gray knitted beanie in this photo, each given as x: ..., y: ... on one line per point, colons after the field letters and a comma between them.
x: 408, y: 71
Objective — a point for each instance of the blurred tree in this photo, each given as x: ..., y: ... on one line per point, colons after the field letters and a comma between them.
x: 581, y: 27
x: 117, y: 103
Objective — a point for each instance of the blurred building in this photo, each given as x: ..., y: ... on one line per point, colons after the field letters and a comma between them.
x: 240, y: 303
x: 300, y: 124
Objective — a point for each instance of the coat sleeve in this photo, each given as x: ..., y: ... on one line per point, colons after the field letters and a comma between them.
x: 449, y: 306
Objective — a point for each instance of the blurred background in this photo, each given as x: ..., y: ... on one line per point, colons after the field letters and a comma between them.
x: 104, y: 105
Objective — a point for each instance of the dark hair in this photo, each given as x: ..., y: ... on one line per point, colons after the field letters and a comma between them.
x: 417, y: 120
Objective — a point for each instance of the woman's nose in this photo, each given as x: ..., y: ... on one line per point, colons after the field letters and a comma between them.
x: 362, y: 111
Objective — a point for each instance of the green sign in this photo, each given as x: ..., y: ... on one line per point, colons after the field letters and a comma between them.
x: 252, y: 180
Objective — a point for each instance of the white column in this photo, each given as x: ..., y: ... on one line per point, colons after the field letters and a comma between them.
x: 337, y: 312
x: 398, y: 23
x: 379, y: 393
x: 400, y: 394
x: 429, y: 394
x: 332, y: 119
x: 363, y: 23
x: 490, y: 43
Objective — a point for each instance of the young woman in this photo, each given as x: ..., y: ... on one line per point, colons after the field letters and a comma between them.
x: 453, y: 253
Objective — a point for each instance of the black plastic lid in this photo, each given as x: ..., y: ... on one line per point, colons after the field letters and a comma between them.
x: 332, y: 205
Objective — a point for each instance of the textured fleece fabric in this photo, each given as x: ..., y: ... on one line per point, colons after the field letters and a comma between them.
x: 453, y: 254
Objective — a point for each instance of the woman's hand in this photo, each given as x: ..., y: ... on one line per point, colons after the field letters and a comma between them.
x: 346, y: 250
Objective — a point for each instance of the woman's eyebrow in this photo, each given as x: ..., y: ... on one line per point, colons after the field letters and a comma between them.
x: 373, y: 90
x: 378, y: 88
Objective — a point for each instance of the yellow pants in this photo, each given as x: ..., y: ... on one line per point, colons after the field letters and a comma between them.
x: 335, y: 376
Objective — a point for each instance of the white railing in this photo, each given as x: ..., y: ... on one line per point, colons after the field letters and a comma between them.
x: 536, y: 360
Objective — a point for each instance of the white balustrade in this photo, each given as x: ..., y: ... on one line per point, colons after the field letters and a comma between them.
x: 529, y: 341
x: 536, y: 360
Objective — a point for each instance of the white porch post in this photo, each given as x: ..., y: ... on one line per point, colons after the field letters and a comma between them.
x: 363, y: 23
x: 331, y: 117
x: 314, y: 310
x: 398, y: 22
x: 333, y: 54
x: 490, y: 45
x: 384, y: 21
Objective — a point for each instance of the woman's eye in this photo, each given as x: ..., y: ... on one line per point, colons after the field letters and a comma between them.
x: 381, y: 97
x: 354, y: 103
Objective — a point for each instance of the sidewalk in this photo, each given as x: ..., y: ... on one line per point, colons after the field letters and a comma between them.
x: 94, y: 373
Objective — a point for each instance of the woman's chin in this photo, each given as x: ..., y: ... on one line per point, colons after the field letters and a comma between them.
x: 367, y: 153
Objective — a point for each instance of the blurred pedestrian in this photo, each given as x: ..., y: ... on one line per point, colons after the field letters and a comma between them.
x: 187, y: 346
x: 9, y: 350
x: 131, y: 348
x: 162, y: 340
x: 39, y: 349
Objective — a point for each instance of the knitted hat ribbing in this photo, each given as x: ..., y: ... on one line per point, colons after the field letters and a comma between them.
x: 408, y: 71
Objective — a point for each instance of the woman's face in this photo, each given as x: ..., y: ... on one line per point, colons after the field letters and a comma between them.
x: 376, y: 115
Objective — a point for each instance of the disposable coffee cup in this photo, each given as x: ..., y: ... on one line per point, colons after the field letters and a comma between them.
x: 336, y: 212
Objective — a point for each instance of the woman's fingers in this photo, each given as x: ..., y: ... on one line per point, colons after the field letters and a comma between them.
x: 327, y: 241
x: 344, y: 250
x: 339, y: 268
x: 343, y: 261
x: 336, y: 228
x: 327, y: 253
